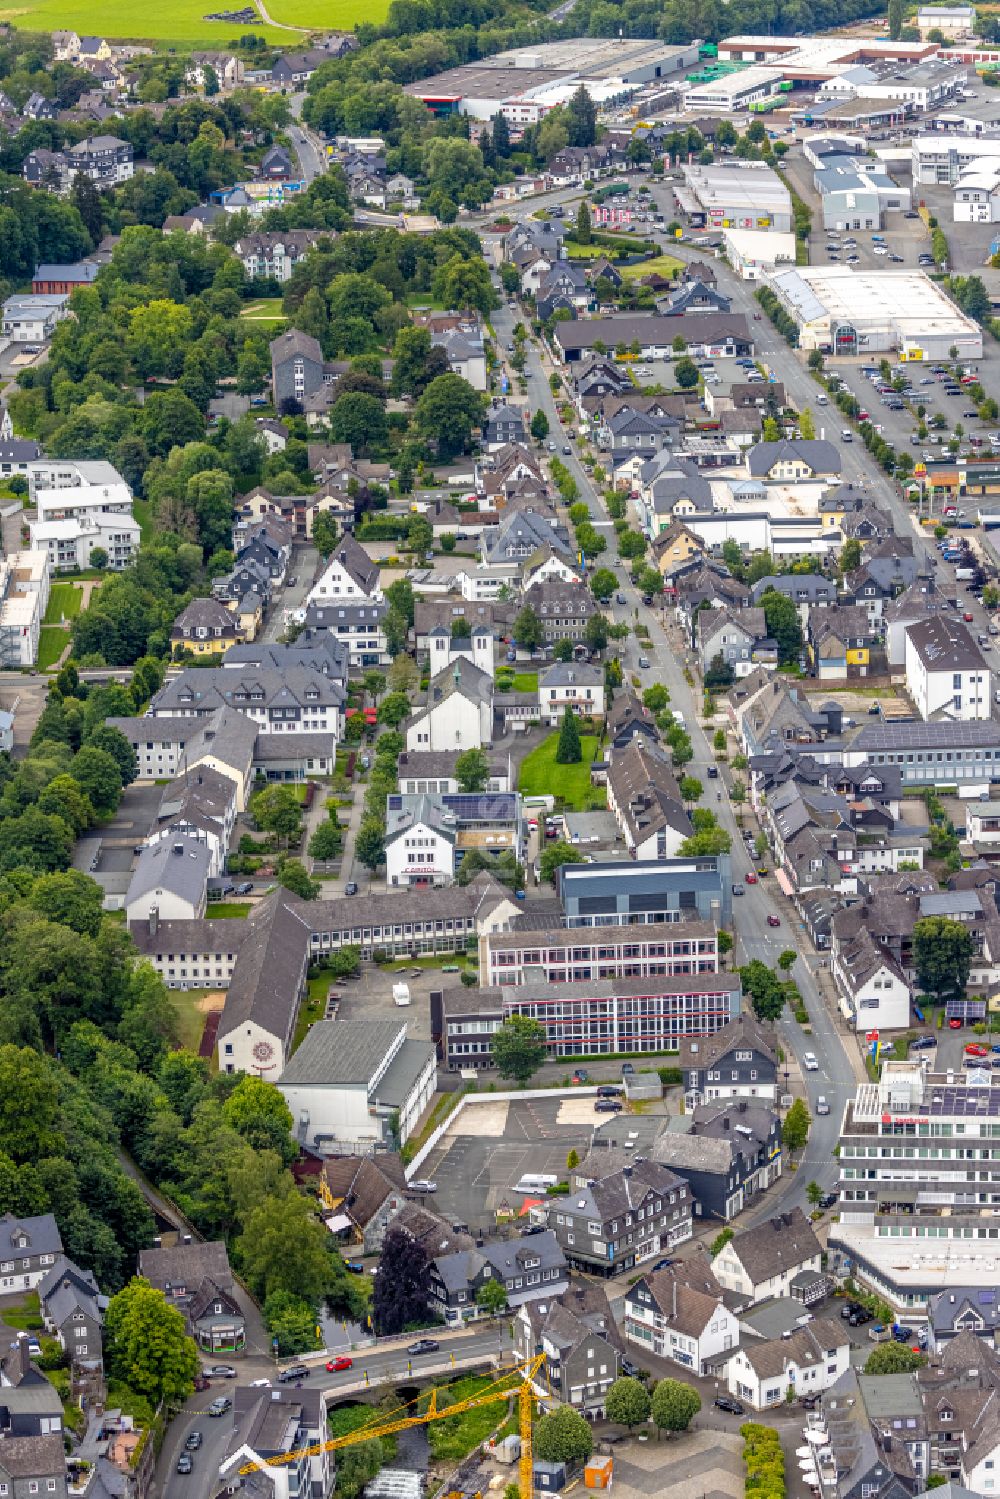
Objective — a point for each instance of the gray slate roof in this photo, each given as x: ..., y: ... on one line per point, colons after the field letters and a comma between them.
x: 344, y: 1053
x: 179, y: 865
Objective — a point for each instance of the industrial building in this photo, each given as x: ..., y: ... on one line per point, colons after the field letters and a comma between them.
x: 856, y: 193
x: 941, y: 160
x: 846, y: 312
x: 753, y: 69
x: 525, y: 83
x: 754, y: 253
x: 739, y: 195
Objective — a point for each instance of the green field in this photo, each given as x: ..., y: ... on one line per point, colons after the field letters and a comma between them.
x: 64, y: 603
x: 326, y: 15
x: 266, y: 311
x: 54, y: 640
x: 180, y: 24
x: 190, y: 1019
x: 541, y: 776
x: 662, y: 265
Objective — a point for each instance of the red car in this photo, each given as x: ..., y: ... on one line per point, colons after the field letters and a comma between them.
x: 954, y: 1024
x: 976, y: 1049
x: 968, y: 617
x: 774, y: 921
x: 751, y: 878
x: 334, y: 1365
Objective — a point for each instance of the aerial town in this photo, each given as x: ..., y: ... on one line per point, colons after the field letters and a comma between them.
x: 500, y: 751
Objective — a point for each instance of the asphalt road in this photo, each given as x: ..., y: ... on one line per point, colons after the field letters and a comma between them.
x: 308, y: 148
x: 836, y: 1077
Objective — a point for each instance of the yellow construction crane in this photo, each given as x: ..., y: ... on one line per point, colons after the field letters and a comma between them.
x: 383, y: 1426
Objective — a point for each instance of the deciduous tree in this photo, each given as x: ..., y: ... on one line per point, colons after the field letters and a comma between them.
x: 147, y: 1346
x: 563, y: 1436
x: 402, y: 1285
x: 627, y: 1403
x: 674, y: 1405
x: 519, y: 1047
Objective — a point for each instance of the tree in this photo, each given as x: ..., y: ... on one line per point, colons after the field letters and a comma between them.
x: 720, y: 1241
x: 708, y: 843
x: 806, y: 425
x: 528, y: 629
x: 519, y: 1048
x: 896, y: 16
x: 539, y: 425
x: 795, y: 1126
x: 766, y: 993
x: 814, y: 1192
x: 850, y: 555
x: 656, y: 698
x: 569, y: 750
x: 258, y: 1111
x: 942, y: 955
x: 787, y: 959
x: 403, y: 675
x: 324, y: 535
x: 146, y: 1344
x: 369, y: 845
x: 285, y: 1247
x: 97, y: 774
x: 472, y: 770
x: 393, y: 709
x: 291, y: 1323
x: 276, y: 810
x: 783, y: 624
x: 581, y: 119
x: 572, y: 1160
x: 357, y: 1465
x: 563, y: 650
x: 603, y: 584
x: 674, y: 1405
x: 564, y: 1436
x: 326, y: 841
x: 402, y: 1285
x: 553, y: 856
x: 491, y: 1298
x: 894, y: 1358
x: 627, y: 1403
x: 584, y: 232
x: 691, y: 789
x: 595, y: 633
x: 448, y: 410
x: 293, y: 876
x: 686, y: 373
x: 770, y: 431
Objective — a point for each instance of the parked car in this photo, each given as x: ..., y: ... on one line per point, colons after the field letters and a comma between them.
x: 751, y: 877
x: 609, y: 1090
x: 923, y: 1043
x: 608, y: 1106
x: 221, y: 1371
x: 351, y: 888
x: 423, y: 1185
x: 976, y: 1049
x: 827, y: 1201
x: 730, y: 1406
x: 423, y: 1345
x: 244, y: 888
x: 627, y: 1069
x: 581, y: 1075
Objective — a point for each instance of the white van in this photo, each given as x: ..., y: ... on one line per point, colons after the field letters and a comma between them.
x: 530, y: 1183
x: 822, y: 400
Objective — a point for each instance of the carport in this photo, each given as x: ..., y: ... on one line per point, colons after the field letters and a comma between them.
x: 968, y: 1011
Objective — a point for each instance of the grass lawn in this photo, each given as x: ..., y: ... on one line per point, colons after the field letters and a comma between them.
x: 23, y: 1313
x: 267, y: 311
x: 344, y: 1419
x: 526, y: 681
x: 663, y: 265
x: 313, y: 1008
x: 227, y: 908
x: 52, y: 642
x: 180, y: 24
x: 324, y: 14
x: 456, y: 1436
x: 64, y: 603
x: 143, y: 512
x: 190, y: 1019
x: 540, y: 775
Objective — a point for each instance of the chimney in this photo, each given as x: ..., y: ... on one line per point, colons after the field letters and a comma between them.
x: 154, y: 917
x: 626, y: 1171
x: 179, y: 850
x: 725, y: 1121
x: 673, y: 1287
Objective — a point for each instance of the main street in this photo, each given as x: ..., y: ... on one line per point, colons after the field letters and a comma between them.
x: 837, y: 1075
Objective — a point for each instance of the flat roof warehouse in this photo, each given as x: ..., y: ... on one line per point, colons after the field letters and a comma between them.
x: 902, y: 310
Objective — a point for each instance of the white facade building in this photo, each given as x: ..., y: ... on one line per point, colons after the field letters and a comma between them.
x: 946, y: 674
x: 24, y: 597
x: 808, y: 1362
x: 761, y: 1262
x: 674, y: 1320
x: 81, y: 506
x: 32, y: 319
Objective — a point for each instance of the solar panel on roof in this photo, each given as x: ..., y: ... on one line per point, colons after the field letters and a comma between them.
x: 965, y: 1009
x: 986, y: 1297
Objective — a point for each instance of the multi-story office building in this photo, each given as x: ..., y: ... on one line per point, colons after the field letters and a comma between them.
x: 560, y: 956
x: 920, y: 1183
x: 647, y: 890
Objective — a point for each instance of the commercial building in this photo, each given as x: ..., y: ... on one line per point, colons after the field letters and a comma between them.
x: 588, y: 1018
x: 965, y: 755
x: 940, y: 160
x: 616, y: 1218
x: 920, y: 1184
x: 647, y: 890
x: 846, y: 312
x: 946, y: 672
x: 524, y: 84
x: 740, y: 195
x: 354, y: 1085
x: 708, y: 335
x: 529, y: 1269
x: 559, y: 956
x: 855, y: 194
x: 755, y: 253
x: 677, y: 1312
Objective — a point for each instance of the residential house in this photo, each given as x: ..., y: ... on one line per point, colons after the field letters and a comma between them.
x: 728, y: 1152
x: 946, y: 673
x: 809, y: 1362
x: 435, y: 772
x: 504, y: 424
x: 629, y: 721
x: 28, y: 1250
x: 228, y: 68
x: 842, y: 644
x: 35, y: 1465
x: 793, y: 461
x: 885, y: 572
x: 275, y: 165
x: 874, y: 991
x: 349, y: 574
x: 573, y: 685
x: 461, y: 337
x: 170, y: 878
x: 644, y: 799
x: 963, y: 1309
x: 360, y: 627
x: 563, y: 609
x: 367, y: 1193
x: 762, y: 1261
x: 608, y: 1224
x: 719, y: 335
x: 297, y: 368
x: 807, y: 591
x: 577, y: 1333
x: 739, y: 1061
x: 297, y: 700
x: 105, y: 159
x: 922, y: 600
x: 206, y: 627
x: 29, y: 1405
x: 696, y: 296
x: 734, y: 637
x: 530, y: 1269
x: 678, y: 1313
x: 281, y: 1431
x: 293, y: 69
x: 273, y: 255
x: 71, y: 1303
x: 33, y: 320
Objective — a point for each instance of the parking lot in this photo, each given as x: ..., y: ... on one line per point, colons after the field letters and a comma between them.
x: 492, y: 1145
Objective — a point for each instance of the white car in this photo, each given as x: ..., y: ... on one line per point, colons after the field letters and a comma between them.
x: 422, y: 1185
x: 809, y: 1062
x: 260, y: 1384
x: 880, y: 250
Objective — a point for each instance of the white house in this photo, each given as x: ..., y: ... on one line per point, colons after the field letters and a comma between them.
x: 268, y: 1422
x: 420, y: 845
x: 675, y: 1320
x: 24, y: 596
x: 808, y: 1362
x: 81, y: 506
x: 349, y: 574
x: 458, y: 714
x: 946, y: 674
x: 762, y: 1262
x: 348, y: 1079
x: 571, y: 684
x: 444, y: 649
x: 171, y: 879
x: 32, y: 318
x: 982, y: 822
x: 874, y: 992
